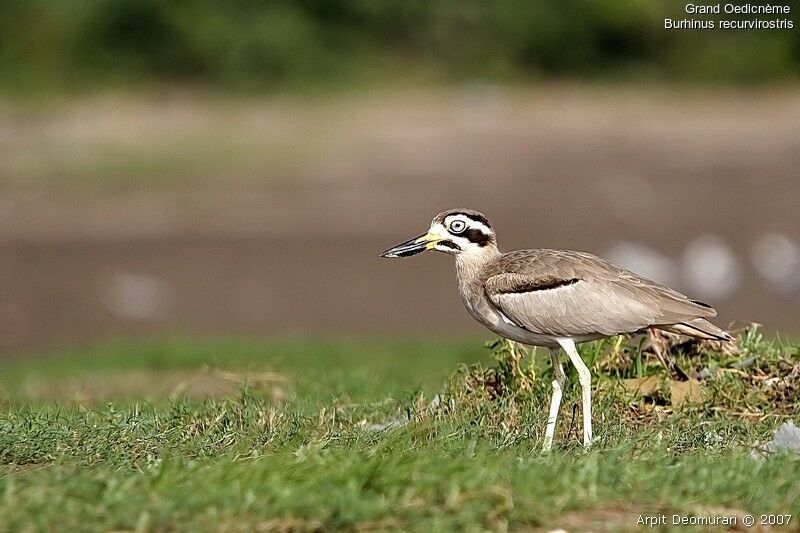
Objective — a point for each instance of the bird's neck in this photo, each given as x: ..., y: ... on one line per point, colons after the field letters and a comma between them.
x: 470, y: 264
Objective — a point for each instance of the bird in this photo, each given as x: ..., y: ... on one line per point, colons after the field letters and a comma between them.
x: 555, y: 298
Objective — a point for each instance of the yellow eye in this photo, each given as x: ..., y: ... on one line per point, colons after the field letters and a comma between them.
x: 457, y: 226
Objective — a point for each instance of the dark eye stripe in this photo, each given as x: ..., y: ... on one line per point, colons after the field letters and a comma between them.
x: 477, y: 236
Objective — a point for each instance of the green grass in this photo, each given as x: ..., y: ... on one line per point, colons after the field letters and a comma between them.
x: 233, y: 435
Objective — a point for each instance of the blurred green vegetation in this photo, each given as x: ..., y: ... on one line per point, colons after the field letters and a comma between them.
x: 73, y: 45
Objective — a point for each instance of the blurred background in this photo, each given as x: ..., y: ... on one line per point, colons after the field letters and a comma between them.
x: 234, y: 168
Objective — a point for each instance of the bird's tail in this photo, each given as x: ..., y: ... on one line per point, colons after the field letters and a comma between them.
x: 699, y: 328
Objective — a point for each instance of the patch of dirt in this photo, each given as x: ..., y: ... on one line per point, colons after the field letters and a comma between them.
x: 624, y: 517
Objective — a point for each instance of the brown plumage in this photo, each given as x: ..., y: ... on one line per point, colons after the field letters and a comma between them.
x: 563, y: 293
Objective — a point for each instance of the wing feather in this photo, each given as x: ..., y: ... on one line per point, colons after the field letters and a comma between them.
x: 562, y: 293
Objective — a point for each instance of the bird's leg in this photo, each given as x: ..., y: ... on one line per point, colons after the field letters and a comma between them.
x: 555, y: 401
x: 585, y: 379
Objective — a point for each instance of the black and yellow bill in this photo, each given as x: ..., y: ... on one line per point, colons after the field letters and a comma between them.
x: 413, y: 246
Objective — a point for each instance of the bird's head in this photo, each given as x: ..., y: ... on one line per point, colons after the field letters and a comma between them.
x: 457, y: 231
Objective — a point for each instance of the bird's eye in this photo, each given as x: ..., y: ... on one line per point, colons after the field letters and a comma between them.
x: 457, y: 226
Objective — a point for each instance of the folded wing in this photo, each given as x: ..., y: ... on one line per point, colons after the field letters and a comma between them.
x: 562, y: 293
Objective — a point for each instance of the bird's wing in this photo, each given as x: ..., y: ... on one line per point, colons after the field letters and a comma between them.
x: 563, y: 293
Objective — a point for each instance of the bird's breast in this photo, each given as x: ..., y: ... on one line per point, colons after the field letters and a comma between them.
x: 481, y: 309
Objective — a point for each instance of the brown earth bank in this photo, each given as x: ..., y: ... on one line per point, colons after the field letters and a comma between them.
x: 130, y: 216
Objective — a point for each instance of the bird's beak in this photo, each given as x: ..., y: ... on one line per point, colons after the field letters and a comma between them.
x: 414, y: 246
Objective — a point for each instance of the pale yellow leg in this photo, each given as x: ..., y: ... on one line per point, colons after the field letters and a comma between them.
x: 555, y: 401
x: 585, y: 379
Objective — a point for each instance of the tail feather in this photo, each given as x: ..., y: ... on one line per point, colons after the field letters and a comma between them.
x: 699, y: 328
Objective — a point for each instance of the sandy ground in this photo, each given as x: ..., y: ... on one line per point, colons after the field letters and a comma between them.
x: 125, y: 216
